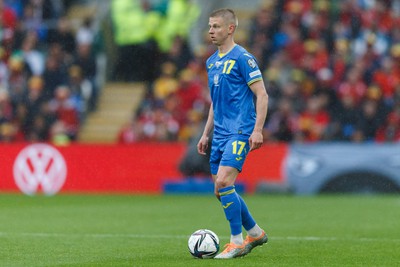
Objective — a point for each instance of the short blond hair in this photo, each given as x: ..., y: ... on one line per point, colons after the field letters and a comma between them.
x: 227, y: 14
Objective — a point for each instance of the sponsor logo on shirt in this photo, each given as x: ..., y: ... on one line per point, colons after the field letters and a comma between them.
x: 254, y: 73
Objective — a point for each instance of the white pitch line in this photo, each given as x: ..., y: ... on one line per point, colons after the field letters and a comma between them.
x: 139, y: 236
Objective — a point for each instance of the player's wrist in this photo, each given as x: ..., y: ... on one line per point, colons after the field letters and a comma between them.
x: 257, y: 130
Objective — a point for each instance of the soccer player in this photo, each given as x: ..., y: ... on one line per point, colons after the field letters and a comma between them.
x: 237, y: 116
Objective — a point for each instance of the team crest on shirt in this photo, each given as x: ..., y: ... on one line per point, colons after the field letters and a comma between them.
x: 216, y: 79
x: 218, y: 64
x: 252, y: 63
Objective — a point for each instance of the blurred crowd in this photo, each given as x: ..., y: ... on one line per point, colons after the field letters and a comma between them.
x: 332, y: 72
x: 331, y: 68
x: 47, y: 71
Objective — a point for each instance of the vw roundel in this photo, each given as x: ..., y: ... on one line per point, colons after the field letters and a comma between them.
x: 40, y: 167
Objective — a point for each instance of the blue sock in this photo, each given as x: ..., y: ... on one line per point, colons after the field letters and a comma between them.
x: 232, y: 208
x: 247, y: 220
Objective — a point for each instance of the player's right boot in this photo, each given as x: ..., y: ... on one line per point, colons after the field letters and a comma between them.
x: 252, y: 242
x: 232, y: 251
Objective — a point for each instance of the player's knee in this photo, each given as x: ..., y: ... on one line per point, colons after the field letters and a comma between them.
x: 221, y: 183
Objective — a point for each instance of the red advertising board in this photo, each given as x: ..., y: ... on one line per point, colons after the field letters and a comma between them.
x: 264, y: 164
x: 139, y: 168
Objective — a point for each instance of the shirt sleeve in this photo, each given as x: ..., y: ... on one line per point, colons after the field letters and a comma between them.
x: 249, y: 68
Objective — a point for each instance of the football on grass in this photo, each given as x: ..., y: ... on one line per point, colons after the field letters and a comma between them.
x: 203, y: 244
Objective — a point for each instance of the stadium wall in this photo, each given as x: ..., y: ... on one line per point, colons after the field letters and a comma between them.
x: 140, y: 168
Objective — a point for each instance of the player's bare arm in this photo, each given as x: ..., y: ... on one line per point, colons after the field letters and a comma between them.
x: 256, y: 138
x: 203, y: 142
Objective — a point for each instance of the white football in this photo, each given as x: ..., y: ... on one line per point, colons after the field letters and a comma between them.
x: 203, y: 244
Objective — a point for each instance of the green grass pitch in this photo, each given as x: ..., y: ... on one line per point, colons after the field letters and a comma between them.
x: 142, y: 230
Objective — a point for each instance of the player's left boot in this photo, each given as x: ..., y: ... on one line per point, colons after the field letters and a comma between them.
x: 252, y: 242
x: 232, y: 251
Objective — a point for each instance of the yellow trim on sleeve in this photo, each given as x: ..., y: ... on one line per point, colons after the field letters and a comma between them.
x: 253, y: 81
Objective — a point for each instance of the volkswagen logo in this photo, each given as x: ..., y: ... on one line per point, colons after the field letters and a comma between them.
x: 40, y: 167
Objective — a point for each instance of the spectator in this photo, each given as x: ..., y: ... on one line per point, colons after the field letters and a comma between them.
x: 18, y: 75
x: 8, y: 17
x: 59, y: 134
x: 66, y: 110
x: 33, y: 58
x: 290, y: 40
x: 353, y: 86
x: 189, y: 92
x: 282, y: 124
x: 4, y: 69
x: 32, y: 21
x: 81, y: 90
x: 387, y: 77
x: 325, y: 89
x: 343, y: 125
x: 390, y: 130
x: 369, y: 121
x: 86, y: 61
x: 85, y: 34
x: 315, y: 57
x: 166, y: 83
x: 180, y: 53
x: 313, y: 121
x: 6, y: 110
x: 38, y: 131
x: 33, y: 101
x: 54, y: 75
x: 130, y: 133
x: 63, y: 36
x: 339, y: 61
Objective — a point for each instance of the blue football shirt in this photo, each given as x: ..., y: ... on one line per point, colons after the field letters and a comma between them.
x: 229, y: 77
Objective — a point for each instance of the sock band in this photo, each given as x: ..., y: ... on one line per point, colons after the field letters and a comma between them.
x: 227, y: 190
